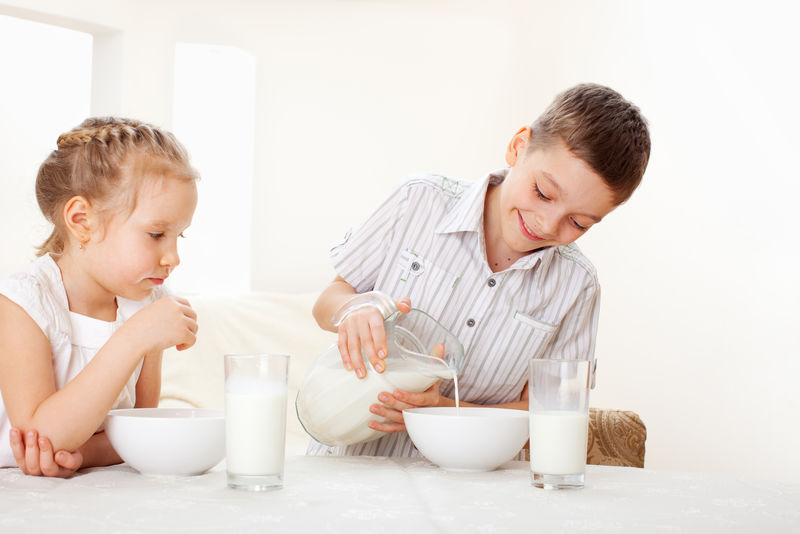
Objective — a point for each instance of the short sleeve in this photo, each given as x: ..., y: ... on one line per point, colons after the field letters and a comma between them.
x: 359, y: 257
x: 24, y: 291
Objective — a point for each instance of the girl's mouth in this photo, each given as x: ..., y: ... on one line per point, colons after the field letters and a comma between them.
x: 526, y: 231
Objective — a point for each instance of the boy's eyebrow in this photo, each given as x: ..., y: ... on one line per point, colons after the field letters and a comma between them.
x: 554, y: 185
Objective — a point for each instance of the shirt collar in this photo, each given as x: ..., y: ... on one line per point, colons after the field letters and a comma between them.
x: 467, y: 216
x: 467, y: 212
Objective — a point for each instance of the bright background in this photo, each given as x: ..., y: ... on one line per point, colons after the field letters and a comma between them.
x: 302, y: 114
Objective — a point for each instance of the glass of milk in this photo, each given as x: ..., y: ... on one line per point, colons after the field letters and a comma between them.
x: 558, y: 392
x: 255, y: 419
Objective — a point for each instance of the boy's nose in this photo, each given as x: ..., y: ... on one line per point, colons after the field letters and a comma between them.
x: 548, y: 225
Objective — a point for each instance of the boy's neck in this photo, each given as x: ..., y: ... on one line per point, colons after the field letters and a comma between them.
x: 498, y: 255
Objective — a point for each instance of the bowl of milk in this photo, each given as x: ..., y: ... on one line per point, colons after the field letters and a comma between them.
x: 467, y: 438
x: 168, y: 441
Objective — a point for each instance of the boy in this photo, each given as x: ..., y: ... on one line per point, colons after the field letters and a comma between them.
x: 494, y: 260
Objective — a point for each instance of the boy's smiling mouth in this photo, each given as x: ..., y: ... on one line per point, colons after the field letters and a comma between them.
x: 526, y: 231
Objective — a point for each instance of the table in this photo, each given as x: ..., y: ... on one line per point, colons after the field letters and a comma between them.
x: 386, y: 495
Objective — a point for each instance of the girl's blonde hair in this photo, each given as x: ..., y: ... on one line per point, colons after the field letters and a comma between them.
x: 91, y: 161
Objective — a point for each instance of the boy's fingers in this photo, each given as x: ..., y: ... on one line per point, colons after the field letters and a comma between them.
x: 391, y: 414
x: 354, y: 350
x: 403, y: 304
x: 438, y: 350
x: 416, y: 399
x: 365, y: 337
x: 387, y: 427
x: 379, y: 338
x: 391, y: 401
x: 343, y: 352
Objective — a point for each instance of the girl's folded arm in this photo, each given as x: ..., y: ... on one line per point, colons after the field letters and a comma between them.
x: 71, y: 415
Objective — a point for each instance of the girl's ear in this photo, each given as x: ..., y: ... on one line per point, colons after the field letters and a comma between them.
x: 80, y: 218
x: 517, y: 145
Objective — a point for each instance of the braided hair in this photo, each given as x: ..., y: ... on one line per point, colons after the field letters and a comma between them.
x: 94, y: 161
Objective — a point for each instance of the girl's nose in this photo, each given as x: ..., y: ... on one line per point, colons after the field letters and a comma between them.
x: 170, y: 258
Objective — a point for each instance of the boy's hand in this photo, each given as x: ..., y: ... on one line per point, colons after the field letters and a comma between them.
x: 167, y: 322
x: 35, y: 456
x: 363, y: 328
x: 393, y: 404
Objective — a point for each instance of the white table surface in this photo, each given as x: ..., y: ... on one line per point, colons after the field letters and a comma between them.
x: 376, y: 495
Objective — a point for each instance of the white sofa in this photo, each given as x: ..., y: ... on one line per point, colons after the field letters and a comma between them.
x: 249, y: 323
x: 282, y: 324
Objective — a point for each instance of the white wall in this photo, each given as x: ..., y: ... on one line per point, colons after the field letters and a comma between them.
x: 698, y: 270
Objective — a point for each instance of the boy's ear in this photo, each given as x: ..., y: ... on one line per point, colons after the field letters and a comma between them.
x: 79, y: 218
x: 518, y: 145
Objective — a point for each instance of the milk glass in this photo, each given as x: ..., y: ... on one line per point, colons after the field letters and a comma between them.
x: 558, y: 392
x: 255, y: 419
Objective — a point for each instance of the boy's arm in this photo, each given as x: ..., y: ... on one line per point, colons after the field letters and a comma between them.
x: 330, y: 300
x: 391, y: 406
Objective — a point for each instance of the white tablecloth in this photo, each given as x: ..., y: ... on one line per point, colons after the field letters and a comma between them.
x: 376, y: 495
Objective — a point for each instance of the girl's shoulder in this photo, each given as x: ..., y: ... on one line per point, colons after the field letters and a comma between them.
x: 39, y: 291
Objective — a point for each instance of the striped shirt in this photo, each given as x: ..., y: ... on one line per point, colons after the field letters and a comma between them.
x: 426, y: 242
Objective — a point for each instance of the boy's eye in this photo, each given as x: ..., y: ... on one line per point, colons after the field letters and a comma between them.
x: 578, y: 226
x: 156, y: 235
x: 181, y: 235
x: 539, y: 192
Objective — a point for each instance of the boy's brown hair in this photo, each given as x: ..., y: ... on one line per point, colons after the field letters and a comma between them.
x: 601, y: 128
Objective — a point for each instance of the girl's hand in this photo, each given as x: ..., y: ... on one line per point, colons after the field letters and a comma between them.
x: 167, y: 322
x: 35, y: 456
x: 363, y: 328
x: 393, y: 404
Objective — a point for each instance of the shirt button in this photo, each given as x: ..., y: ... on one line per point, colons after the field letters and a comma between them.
x: 470, y: 322
x: 492, y: 282
x: 415, y: 266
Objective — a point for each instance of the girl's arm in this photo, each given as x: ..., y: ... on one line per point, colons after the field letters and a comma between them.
x: 70, y: 416
x: 35, y: 454
x: 148, y: 387
x: 97, y: 451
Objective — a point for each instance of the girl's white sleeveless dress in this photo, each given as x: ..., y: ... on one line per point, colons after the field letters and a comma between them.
x: 74, y: 338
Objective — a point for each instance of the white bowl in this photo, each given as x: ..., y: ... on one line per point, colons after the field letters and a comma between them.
x: 477, y: 439
x: 168, y: 441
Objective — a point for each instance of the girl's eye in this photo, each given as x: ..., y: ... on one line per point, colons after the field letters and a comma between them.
x: 539, y: 192
x: 156, y: 235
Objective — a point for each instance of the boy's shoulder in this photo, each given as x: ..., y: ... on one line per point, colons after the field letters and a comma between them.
x: 435, y: 184
x: 572, y: 254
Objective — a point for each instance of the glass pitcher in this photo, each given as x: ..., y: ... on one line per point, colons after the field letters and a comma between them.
x: 333, y: 403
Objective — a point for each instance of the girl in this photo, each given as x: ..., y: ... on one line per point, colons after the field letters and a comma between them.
x: 82, y: 329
